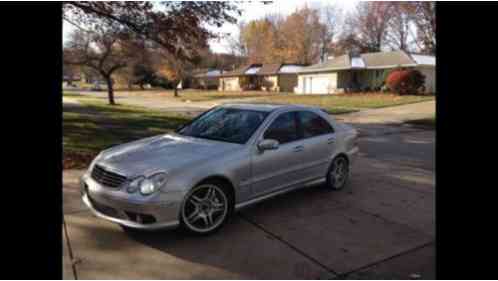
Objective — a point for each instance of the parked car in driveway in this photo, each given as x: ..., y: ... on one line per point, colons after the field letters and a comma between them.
x: 227, y: 158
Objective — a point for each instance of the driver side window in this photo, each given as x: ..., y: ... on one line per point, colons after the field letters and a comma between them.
x: 283, y: 128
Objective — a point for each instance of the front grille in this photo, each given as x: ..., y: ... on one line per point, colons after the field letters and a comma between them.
x: 106, y: 177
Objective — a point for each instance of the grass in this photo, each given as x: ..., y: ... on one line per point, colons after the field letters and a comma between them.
x: 425, y: 122
x: 95, y: 126
x: 202, y: 95
x: 353, y: 101
x: 335, y: 104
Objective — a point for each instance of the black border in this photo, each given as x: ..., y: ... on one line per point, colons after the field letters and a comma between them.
x: 31, y: 197
x: 31, y: 194
x: 466, y: 213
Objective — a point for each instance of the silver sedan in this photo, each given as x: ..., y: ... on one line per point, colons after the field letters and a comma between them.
x: 227, y: 158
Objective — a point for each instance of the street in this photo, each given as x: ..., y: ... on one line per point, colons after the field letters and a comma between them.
x: 381, y: 226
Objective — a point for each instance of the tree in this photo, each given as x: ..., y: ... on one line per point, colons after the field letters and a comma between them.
x: 179, y: 27
x: 303, y: 30
x: 102, y: 50
x: 258, y: 38
x: 296, y: 38
x: 398, y: 26
x: 236, y: 42
x: 331, y: 20
x: 367, y: 25
x: 424, y: 17
x: 175, y: 70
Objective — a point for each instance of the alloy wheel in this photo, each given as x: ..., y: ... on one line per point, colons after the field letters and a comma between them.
x: 339, y: 173
x: 205, y: 208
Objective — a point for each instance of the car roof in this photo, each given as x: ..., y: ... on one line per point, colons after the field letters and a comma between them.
x: 267, y: 107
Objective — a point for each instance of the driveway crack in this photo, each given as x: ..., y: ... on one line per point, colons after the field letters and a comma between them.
x: 344, y: 275
x: 299, y: 251
x: 70, y: 250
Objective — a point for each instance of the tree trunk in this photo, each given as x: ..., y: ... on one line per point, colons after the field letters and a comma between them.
x: 110, y: 90
x: 176, y: 89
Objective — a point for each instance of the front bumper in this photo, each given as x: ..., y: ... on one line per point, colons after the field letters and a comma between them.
x: 108, y: 205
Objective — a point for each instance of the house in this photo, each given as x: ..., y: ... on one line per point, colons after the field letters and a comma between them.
x: 268, y: 77
x: 206, y: 79
x: 243, y: 78
x: 363, y: 72
x: 278, y: 77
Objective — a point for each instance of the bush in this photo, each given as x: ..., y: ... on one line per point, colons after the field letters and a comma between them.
x: 405, y: 81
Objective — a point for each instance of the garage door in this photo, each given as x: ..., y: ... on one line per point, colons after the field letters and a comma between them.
x: 321, y: 84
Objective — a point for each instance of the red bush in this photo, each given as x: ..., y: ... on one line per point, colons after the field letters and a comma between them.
x: 405, y: 81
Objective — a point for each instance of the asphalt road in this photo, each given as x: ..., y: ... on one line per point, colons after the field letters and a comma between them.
x: 381, y: 226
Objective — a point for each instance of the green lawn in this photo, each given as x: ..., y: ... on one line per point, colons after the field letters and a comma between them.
x: 349, y: 101
x: 207, y: 95
x: 96, y: 126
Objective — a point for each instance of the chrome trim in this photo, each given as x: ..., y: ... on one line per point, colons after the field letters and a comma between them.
x: 153, y: 226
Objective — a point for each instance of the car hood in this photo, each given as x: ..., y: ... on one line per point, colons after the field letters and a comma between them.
x: 161, y: 153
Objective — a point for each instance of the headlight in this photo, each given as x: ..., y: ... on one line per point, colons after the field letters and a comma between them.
x: 135, y: 184
x: 153, y: 183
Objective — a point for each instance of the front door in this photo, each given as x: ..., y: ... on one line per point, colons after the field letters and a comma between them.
x: 276, y: 169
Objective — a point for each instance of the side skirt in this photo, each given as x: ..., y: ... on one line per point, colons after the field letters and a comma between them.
x: 279, y: 192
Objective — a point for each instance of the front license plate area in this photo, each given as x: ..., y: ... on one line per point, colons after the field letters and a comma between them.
x: 104, y: 209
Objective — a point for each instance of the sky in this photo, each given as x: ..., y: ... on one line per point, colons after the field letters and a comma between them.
x: 256, y: 10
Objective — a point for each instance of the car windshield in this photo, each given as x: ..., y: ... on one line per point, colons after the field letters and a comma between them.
x: 225, y: 124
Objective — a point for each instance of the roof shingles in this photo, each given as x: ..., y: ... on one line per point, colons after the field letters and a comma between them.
x: 369, y: 60
x: 387, y: 59
x: 341, y: 62
x: 269, y: 69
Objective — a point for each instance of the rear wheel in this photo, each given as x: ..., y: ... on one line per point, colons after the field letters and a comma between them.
x: 338, y: 173
x: 206, y: 208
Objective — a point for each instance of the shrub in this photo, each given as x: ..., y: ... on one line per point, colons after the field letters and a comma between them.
x: 405, y: 81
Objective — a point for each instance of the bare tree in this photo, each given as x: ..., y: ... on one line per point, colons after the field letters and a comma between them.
x: 424, y: 17
x: 331, y: 20
x: 102, y: 50
x: 398, y: 27
x: 179, y: 27
x: 236, y: 43
x: 368, y: 25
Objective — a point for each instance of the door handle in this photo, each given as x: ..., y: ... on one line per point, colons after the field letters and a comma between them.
x: 298, y: 148
x: 331, y: 140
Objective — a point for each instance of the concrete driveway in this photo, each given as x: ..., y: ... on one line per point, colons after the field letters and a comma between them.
x: 381, y: 226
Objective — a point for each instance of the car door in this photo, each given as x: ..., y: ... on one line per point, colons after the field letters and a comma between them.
x: 276, y: 169
x: 318, y: 140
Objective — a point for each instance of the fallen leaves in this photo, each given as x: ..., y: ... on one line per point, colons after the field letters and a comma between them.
x: 77, y: 160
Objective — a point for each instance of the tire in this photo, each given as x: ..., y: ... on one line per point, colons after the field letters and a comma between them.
x: 332, y: 182
x: 206, y: 208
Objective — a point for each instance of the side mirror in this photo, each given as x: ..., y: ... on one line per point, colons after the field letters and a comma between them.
x: 268, y: 144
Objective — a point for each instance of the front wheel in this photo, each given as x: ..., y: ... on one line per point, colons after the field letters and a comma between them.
x: 205, y: 209
x: 338, y: 173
